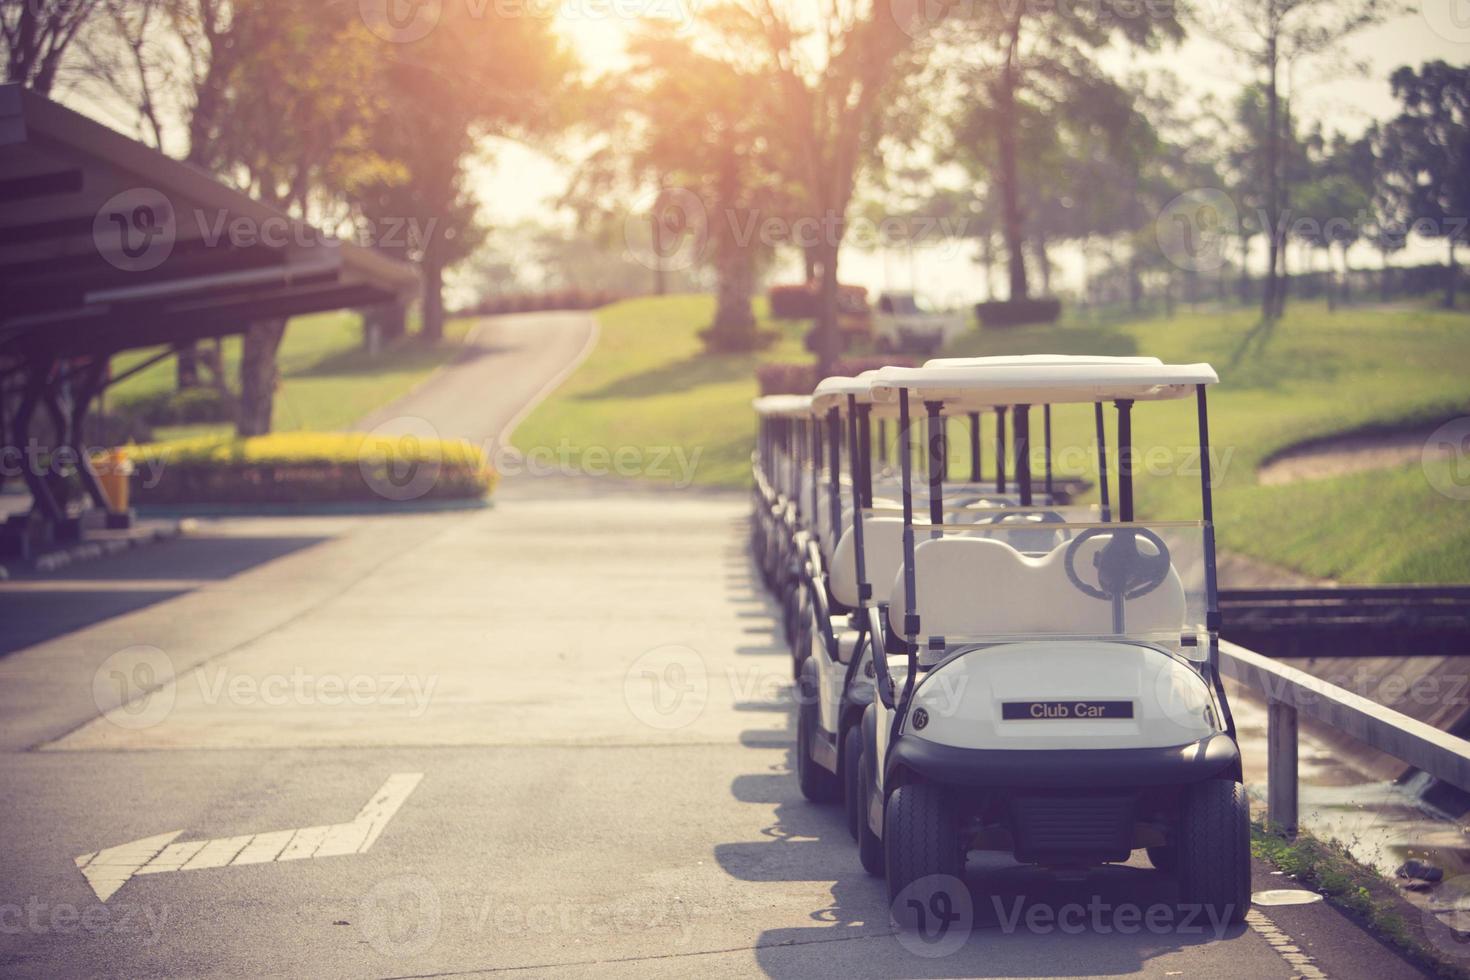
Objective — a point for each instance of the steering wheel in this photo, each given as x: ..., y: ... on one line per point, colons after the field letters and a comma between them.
x: 1026, y: 517
x: 992, y: 500
x: 1124, y: 571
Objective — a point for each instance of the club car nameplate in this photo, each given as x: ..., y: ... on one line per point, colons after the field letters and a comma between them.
x: 1060, y: 710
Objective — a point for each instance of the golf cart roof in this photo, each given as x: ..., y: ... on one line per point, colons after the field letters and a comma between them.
x: 1044, y: 383
x: 783, y: 406
x: 1027, y: 359
x: 833, y: 392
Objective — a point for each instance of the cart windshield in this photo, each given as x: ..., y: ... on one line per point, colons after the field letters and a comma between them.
x: 1027, y: 577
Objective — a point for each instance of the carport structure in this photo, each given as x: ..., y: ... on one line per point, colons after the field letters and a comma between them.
x: 107, y: 245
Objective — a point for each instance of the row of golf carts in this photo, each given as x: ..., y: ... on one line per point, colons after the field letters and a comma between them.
x: 981, y: 664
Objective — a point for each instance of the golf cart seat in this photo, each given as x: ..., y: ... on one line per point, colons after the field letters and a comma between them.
x: 882, y: 553
x: 829, y: 540
x: 978, y: 586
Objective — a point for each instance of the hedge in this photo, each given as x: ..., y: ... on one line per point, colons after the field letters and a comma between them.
x: 308, y: 467
x: 1018, y: 313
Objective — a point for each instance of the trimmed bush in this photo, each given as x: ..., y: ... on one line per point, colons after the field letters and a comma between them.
x: 800, y: 302
x: 1018, y: 313
x: 308, y: 467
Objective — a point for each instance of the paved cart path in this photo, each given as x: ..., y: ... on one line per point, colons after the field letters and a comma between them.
x: 552, y: 737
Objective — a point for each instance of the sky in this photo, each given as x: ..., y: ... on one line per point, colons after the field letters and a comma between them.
x: 1346, y: 92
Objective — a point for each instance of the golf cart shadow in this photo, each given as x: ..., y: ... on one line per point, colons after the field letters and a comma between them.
x: 1024, y: 922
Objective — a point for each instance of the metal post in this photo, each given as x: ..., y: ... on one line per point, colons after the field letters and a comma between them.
x: 976, y: 469
x: 1102, y: 462
x: 1000, y: 450
x: 1125, y: 460
x: 1023, y: 452
x: 1046, y: 423
x: 936, y: 465
x: 1281, y: 767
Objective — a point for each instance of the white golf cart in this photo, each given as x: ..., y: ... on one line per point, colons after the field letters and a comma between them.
x: 782, y: 499
x: 1056, y: 699
x: 835, y: 673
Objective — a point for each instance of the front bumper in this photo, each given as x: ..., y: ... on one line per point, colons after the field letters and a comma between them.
x: 1210, y: 757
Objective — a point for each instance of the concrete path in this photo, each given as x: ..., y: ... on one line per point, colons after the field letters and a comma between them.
x: 558, y: 735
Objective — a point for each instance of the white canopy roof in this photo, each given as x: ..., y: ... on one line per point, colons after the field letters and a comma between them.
x: 1043, y: 382
x: 783, y: 406
x: 1031, y: 359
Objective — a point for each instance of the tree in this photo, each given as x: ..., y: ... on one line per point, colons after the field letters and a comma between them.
x: 680, y: 90
x: 302, y: 154
x: 1274, y: 36
x: 481, y: 73
x: 1023, y: 61
x: 830, y: 66
x: 35, y: 36
x: 1426, y: 156
x: 1335, y: 201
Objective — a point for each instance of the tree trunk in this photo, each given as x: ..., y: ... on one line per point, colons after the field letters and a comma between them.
x: 432, y: 329
x: 1273, y: 182
x: 734, y: 322
x: 383, y: 326
x: 828, y: 329
x: 1012, y: 221
x: 258, y: 376
x: 809, y: 257
x: 1451, y: 274
x: 186, y: 367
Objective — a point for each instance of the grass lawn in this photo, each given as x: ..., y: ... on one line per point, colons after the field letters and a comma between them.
x: 1313, y: 374
x: 648, y: 387
x: 327, y: 382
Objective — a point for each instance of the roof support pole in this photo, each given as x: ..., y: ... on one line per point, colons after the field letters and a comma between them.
x: 937, y: 451
x: 977, y: 471
x: 1000, y: 449
x: 1022, y: 420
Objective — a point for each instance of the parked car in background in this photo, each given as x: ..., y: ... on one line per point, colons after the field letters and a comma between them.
x: 904, y: 322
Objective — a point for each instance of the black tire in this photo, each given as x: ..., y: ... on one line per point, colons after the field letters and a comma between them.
x: 852, y: 786
x: 870, y: 845
x: 817, y: 784
x: 1214, y: 848
x: 921, y: 840
x: 1164, y: 857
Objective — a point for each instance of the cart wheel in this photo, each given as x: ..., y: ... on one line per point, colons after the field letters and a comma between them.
x: 1214, y: 854
x: 1164, y: 857
x: 852, y: 787
x: 920, y: 842
x: 870, y: 845
x: 817, y: 784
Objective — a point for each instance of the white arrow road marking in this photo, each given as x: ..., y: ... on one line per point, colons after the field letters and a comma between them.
x: 108, y: 870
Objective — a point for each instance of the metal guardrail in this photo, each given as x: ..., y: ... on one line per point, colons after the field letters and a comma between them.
x: 1290, y: 693
x: 1354, y: 621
